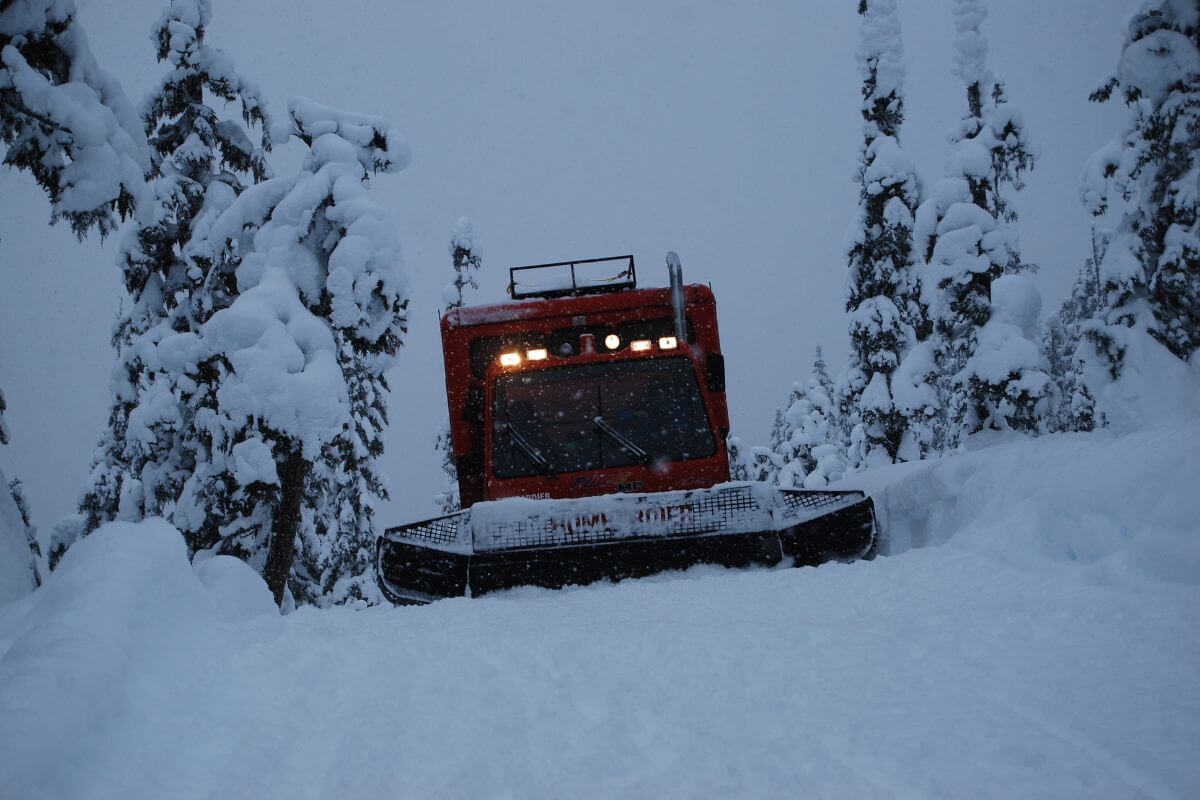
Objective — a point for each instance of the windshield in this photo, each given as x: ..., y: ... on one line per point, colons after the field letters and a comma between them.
x: 594, y: 416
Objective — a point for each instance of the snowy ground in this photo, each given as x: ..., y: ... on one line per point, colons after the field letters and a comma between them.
x: 1032, y: 635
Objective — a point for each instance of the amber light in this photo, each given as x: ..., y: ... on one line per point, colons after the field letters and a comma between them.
x: 511, y: 359
x: 639, y: 345
x: 536, y: 355
x: 667, y: 343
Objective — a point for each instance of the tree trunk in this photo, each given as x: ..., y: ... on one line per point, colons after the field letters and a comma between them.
x: 282, y: 551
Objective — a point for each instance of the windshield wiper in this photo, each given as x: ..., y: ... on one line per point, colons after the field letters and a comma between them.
x: 621, y: 441
x: 532, y: 453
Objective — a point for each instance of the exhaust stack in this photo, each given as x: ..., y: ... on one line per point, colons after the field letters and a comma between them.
x: 675, y: 271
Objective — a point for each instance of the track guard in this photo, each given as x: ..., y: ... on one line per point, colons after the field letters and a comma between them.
x: 452, y: 556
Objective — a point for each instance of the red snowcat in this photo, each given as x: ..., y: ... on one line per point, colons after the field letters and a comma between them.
x: 588, y: 424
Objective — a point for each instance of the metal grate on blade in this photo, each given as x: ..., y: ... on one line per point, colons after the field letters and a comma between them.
x: 692, y: 513
x: 798, y: 498
x: 544, y: 532
x: 451, y: 529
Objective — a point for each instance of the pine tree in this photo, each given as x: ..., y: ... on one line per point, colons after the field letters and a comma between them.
x: 464, y: 256
x: 17, y: 491
x: 4, y: 434
x: 777, y: 441
x: 882, y: 300
x: 764, y: 464
x: 68, y: 123
x: 466, y: 260
x: 65, y: 120
x: 737, y: 462
x: 22, y: 527
x: 780, y: 440
x: 199, y: 163
x: 988, y: 374
x: 290, y: 374
x: 1150, y: 274
x: 338, y: 527
x: 816, y: 454
x: 447, y: 500
x: 1074, y: 405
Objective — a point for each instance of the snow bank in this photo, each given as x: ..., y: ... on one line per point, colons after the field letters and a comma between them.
x: 121, y: 624
x: 1119, y: 502
x: 1155, y: 388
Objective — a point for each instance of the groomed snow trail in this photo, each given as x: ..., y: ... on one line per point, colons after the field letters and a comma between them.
x: 1045, y: 646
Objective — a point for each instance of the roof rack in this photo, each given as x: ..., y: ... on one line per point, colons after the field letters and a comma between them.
x: 572, y: 278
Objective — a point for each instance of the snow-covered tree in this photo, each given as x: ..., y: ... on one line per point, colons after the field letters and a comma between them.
x: 290, y: 374
x: 779, y: 434
x: 18, y: 538
x: 988, y: 374
x: 737, y: 461
x: 17, y: 491
x: 447, y: 500
x: 882, y: 297
x: 1074, y: 406
x: 465, y: 258
x: 4, y: 434
x: 65, y: 120
x: 815, y: 454
x: 763, y: 465
x: 1150, y: 275
x: 338, y: 527
x: 199, y: 163
x: 780, y: 440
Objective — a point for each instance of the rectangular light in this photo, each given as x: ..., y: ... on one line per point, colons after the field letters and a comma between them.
x: 538, y: 354
x: 639, y: 345
x: 667, y: 343
x: 510, y: 359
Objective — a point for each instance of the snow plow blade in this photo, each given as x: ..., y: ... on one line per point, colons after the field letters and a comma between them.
x: 556, y: 543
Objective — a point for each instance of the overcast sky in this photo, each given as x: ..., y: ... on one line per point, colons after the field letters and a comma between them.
x: 727, y: 131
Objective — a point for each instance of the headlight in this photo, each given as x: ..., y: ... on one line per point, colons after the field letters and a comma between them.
x: 639, y: 345
x: 511, y: 359
x: 612, y: 341
x: 536, y: 355
x: 667, y: 343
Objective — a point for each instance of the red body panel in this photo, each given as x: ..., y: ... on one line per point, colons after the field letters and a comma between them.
x: 468, y: 386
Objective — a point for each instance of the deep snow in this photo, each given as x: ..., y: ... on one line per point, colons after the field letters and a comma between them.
x: 1031, y: 635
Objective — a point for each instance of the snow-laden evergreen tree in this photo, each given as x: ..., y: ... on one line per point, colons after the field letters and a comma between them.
x: 1150, y: 275
x: 1074, y: 406
x: 780, y: 440
x: 988, y: 373
x: 65, y: 120
x: 4, y: 434
x: 18, y: 537
x: 465, y: 258
x: 17, y: 491
x: 199, y: 163
x: 338, y: 527
x: 882, y: 296
x: 777, y: 439
x: 737, y: 462
x: 763, y: 465
x: 817, y: 454
x: 290, y: 376
x: 447, y: 500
